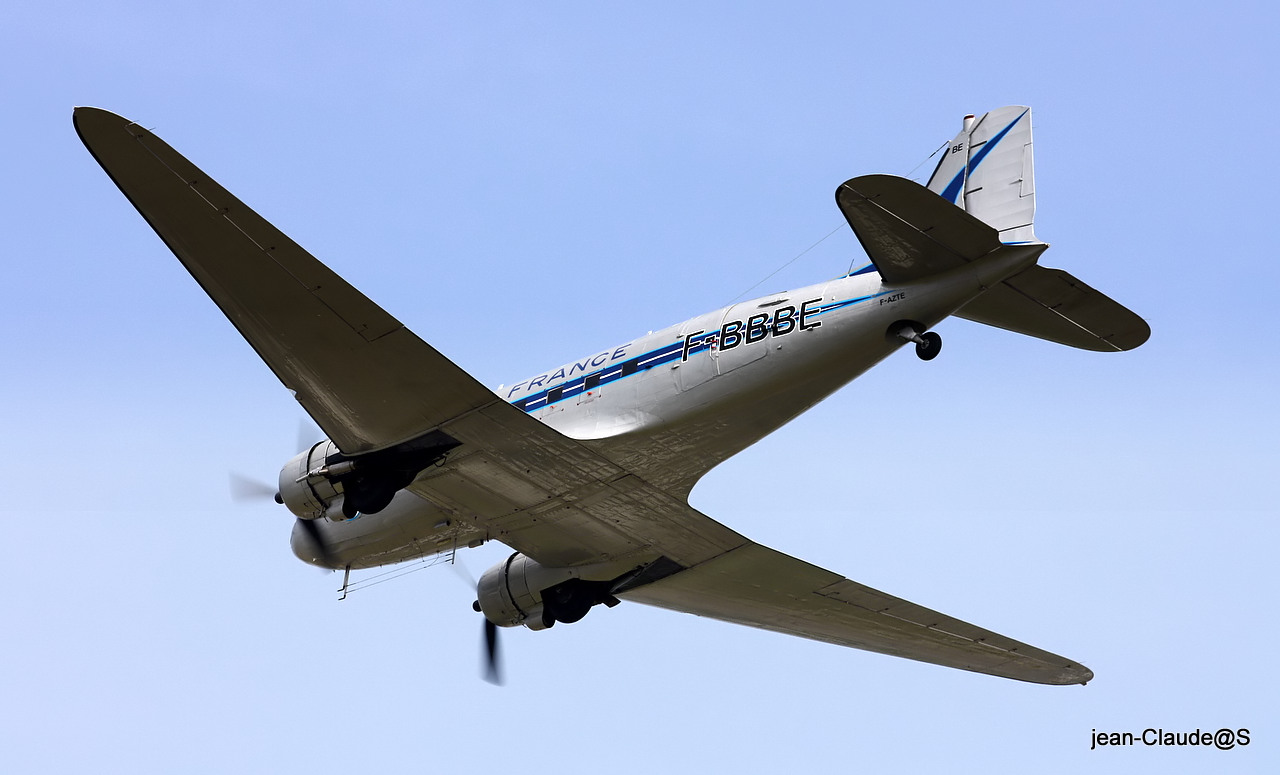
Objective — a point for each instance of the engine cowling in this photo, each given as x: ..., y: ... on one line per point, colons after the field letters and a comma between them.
x: 324, y: 482
x: 521, y: 591
x: 308, y: 488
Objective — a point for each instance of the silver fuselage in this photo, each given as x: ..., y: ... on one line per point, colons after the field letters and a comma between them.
x: 672, y: 404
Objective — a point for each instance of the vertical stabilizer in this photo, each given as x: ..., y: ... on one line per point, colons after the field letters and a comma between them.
x: 988, y: 171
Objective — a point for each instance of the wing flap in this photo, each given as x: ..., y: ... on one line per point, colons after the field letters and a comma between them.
x: 760, y: 587
x: 908, y: 231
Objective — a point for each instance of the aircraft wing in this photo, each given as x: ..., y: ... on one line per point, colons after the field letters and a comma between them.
x: 358, y: 371
x: 757, y: 586
x: 371, y: 384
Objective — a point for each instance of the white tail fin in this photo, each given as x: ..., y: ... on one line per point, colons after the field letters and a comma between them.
x: 987, y: 170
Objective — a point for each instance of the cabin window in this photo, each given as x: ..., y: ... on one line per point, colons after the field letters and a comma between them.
x: 554, y: 394
x: 592, y: 381
x: 629, y: 368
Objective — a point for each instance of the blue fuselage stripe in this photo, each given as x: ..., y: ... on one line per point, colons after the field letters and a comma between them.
x: 666, y: 354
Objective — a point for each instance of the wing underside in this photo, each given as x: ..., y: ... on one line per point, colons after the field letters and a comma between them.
x: 356, y: 370
x: 760, y: 587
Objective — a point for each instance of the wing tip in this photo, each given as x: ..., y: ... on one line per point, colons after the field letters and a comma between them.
x: 1072, y: 674
x: 81, y: 113
x: 96, y: 123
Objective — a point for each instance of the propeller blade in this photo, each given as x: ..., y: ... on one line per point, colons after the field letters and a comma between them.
x: 313, y: 532
x: 492, y: 673
x: 462, y: 572
x: 245, y: 489
x: 308, y: 433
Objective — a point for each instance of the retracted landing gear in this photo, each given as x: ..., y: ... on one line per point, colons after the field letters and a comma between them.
x: 928, y: 344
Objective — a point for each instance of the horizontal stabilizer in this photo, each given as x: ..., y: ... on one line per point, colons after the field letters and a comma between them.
x: 1051, y: 304
x: 908, y: 231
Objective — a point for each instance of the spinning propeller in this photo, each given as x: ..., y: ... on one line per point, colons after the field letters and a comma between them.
x: 246, y: 489
x: 491, y: 669
x: 492, y: 673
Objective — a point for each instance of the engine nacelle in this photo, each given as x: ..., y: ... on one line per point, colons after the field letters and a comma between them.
x: 308, y: 488
x: 520, y: 591
x: 510, y: 593
x: 323, y: 482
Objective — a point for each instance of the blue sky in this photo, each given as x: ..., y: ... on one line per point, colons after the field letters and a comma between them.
x: 523, y: 185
